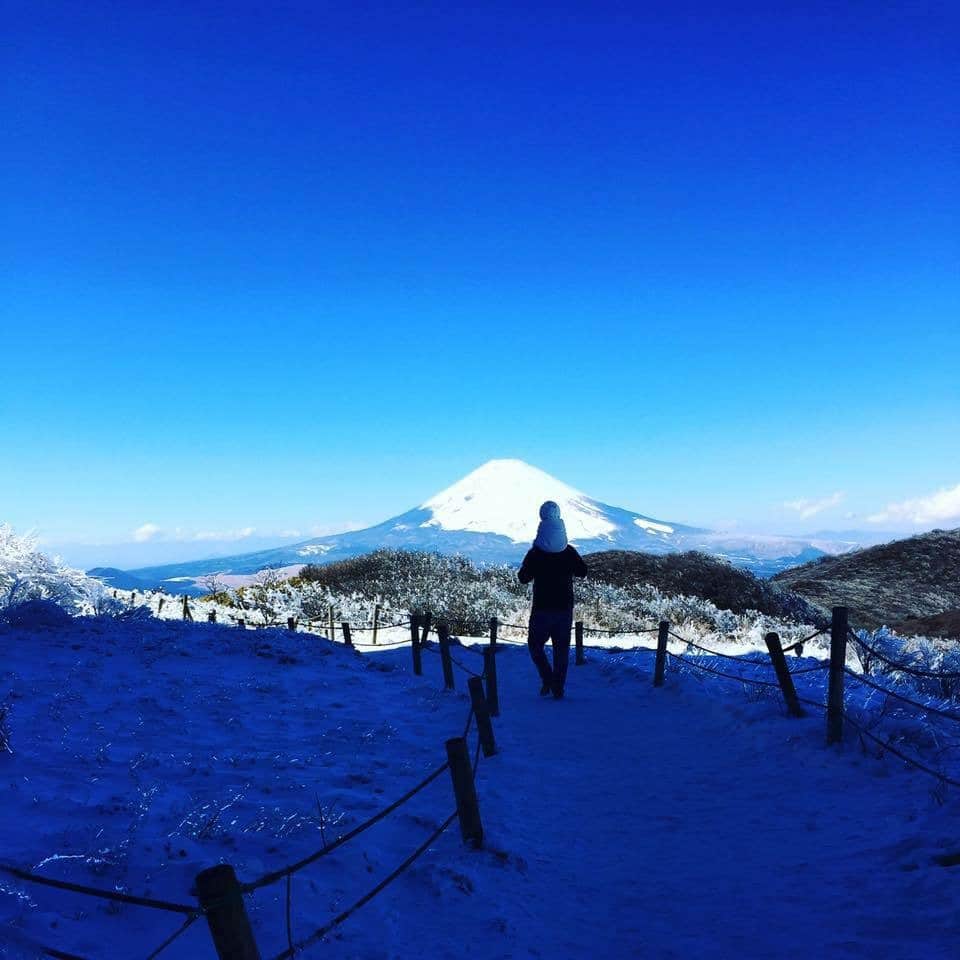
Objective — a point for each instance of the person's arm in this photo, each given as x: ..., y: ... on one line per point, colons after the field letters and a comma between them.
x: 525, y: 573
x: 577, y: 567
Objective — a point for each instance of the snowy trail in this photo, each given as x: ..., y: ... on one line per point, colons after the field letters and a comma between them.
x: 671, y: 823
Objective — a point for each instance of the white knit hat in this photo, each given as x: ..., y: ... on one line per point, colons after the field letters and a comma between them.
x: 552, y: 532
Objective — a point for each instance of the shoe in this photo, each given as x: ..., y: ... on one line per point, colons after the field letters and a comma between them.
x: 545, y: 690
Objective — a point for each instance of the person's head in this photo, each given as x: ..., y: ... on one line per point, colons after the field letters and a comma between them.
x: 549, y: 510
x: 552, y: 533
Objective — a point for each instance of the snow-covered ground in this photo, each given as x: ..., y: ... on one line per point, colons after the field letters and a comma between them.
x: 625, y: 821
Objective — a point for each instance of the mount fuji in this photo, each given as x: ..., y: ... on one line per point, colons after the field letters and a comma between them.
x: 491, y: 516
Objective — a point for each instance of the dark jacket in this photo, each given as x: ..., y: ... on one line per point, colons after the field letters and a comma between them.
x: 552, y: 575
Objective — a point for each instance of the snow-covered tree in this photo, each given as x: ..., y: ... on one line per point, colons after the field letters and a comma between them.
x: 28, y: 574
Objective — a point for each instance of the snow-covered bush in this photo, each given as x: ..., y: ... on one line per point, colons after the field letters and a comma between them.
x: 926, y: 654
x: 449, y: 587
x: 101, y: 602
x: 28, y: 574
x: 467, y: 596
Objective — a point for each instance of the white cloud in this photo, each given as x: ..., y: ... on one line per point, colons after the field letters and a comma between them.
x: 810, y: 508
x: 933, y: 508
x: 147, y: 531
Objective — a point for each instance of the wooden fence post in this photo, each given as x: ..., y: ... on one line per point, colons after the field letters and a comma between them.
x: 347, y: 638
x: 242, y: 624
x: 332, y: 634
x: 444, y: 637
x: 482, y: 713
x: 221, y: 899
x: 783, y: 674
x: 490, y: 674
x: 661, y: 661
x: 838, y: 661
x: 415, y: 645
x: 580, y: 659
x: 468, y: 811
x: 212, y: 616
x: 376, y: 620
x: 160, y: 605
x: 494, y: 625
x: 425, y: 624
x: 291, y: 623
x: 187, y: 615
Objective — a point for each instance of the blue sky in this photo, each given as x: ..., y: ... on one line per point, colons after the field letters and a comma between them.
x: 296, y: 266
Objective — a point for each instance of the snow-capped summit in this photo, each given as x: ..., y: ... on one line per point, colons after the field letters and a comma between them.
x: 491, y: 516
x: 503, y: 497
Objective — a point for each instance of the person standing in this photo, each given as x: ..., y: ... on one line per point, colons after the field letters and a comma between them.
x: 551, y: 563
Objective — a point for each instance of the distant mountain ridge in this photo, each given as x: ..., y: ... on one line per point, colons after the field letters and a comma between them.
x: 491, y: 516
x: 121, y: 579
x: 896, y: 584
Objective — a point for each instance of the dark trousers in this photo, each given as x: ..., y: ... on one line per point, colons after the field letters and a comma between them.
x: 553, y: 625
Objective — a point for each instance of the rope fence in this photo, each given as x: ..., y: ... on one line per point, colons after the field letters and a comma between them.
x: 459, y: 789
x: 743, y: 659
x: 192, y: 912
x: 182, y: 929
x: 903, y: 667
x: 329, y: 927
x: 924, y: 707
x: 38, y: 950
x: 623, y: 631
x: 464, y: 668
x: 817, y: 669
x: 836, y: 711
x: 327, y: 626
x: 911, y: 761
x: 715, y: 653
x: 269, y: 878
x: 362, y: 628
x: 391, y: 645
x: 99, y: 892
x: 797, y: 645
x: 680, y: 658
x: 221, y: 895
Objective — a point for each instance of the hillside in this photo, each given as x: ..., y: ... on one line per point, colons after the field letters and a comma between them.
x: 890, y: 584
x: 946, y: 624
x: 696, y: 574
x: 122, y: 580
